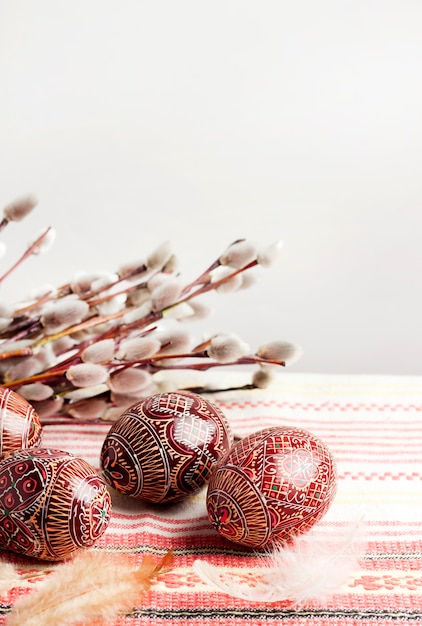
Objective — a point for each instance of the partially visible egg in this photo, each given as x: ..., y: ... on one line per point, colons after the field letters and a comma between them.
x: 51, y: 503
x: 272, y: 485
x: 164, y: 448
x: 20, y: 426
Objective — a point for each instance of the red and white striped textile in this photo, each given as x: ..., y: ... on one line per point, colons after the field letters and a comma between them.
x: 372, y: 425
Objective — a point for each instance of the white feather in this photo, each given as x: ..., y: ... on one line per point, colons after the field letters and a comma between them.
x: 308, y: 568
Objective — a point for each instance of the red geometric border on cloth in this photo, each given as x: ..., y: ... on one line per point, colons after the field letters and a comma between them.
x: 373, y: 427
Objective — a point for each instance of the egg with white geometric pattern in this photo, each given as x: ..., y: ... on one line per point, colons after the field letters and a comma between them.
x: 164, y: 448
x: 272, y: 485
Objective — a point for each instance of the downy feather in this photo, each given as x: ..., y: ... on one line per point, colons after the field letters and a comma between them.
x: 309, y: 568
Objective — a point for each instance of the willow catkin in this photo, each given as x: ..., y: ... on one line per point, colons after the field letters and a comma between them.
x: 156, y: 280
x: 137, y: 314
x: 112, y: 413
x: 129, y: 380
x: 49, y: 407
x: 25, y: 367
x: 159, y: 257
x: 166, y: 294
x: 229, y: 284
x: 82, y: 283
x: 87, y: 374
x: 180, y: 312
x: 174, y: 340
x: 132, y: 269
x: 90, y: 409
x: 226, y: 348
x: 249, y: 279
x: 280, y: 351
x: 63, y: 313
x: 238, y: 254
x: 18, y: 209
x: 46, y: 238
x: 200, y: 311
x: 99, y: 352
x: 233, y: 284
x: 262, y: 378
x: 62, y: 345
x: 268, y: 255
x: 137, y: 348
x: 138, y: 296
x: 36, y: 391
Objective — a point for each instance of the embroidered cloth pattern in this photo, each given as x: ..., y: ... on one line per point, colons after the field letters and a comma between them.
x: 373, y: 427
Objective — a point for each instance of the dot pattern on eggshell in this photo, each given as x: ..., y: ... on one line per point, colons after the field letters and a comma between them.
x: 272, y: 485
x: 164, y: 448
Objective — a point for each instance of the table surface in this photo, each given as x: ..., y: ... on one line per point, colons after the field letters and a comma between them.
x: 372, y: 425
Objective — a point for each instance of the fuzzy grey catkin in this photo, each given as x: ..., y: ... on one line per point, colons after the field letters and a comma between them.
x: 86, y: 374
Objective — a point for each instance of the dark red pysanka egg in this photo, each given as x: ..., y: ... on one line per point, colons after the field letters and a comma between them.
x: 164, y: 448
x: 51, y: 503
x: 20, y: 426
x: 272, y: 485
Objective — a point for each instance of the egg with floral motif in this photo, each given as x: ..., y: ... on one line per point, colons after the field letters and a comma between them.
x: 164, y: 448
x: 51, y: 503
x: 20, y: 425
x: 272, y: 485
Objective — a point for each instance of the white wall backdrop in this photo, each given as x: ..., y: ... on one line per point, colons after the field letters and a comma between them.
x: 136, y: 122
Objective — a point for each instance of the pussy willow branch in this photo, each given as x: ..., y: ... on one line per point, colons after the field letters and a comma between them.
x: 28, y: 252
x: 123, y: 307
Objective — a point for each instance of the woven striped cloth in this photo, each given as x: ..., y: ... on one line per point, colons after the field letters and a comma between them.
x: 372, y: 425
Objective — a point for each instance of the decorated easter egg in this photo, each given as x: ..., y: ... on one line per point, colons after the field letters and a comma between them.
x: 272, y: 485
x: 51, y: 503
x: 164, y: 447
x: 20, y: 426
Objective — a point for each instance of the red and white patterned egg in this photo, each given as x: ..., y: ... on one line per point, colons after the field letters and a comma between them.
x: 20, y: 425
x: 272, y: 485
x: 164, y: 448
x: 51, y: 503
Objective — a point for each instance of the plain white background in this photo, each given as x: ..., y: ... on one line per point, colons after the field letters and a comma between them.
x: 202, y: 122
